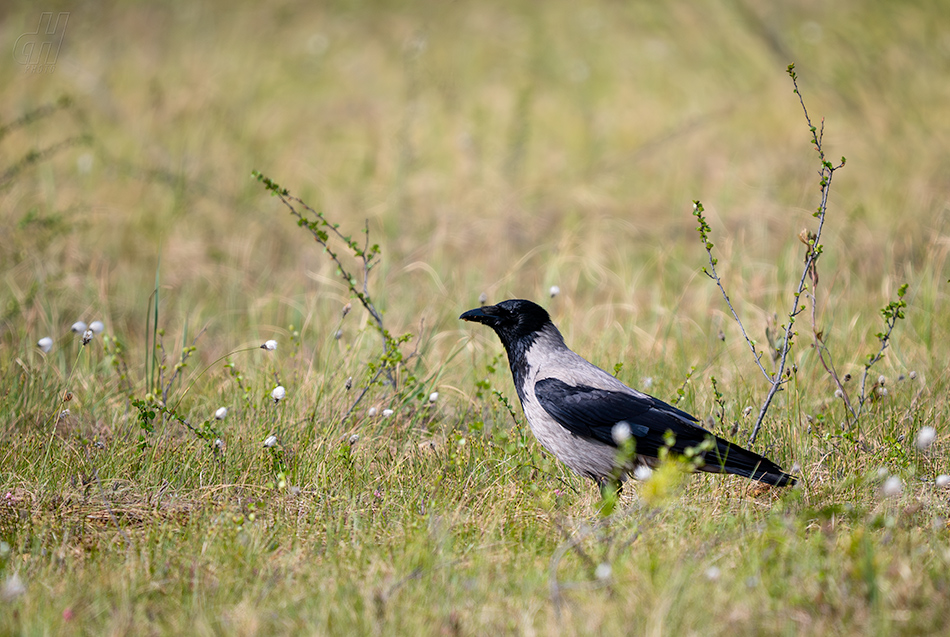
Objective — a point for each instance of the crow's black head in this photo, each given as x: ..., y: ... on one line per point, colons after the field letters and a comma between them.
x: 515, y: 320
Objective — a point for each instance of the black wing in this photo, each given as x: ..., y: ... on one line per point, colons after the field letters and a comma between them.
x: 592, y: 413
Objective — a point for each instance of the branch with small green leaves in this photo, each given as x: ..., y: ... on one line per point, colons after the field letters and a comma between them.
x: 892, y: 313
x: 149, y: 409
x: 704, y: 234
x: 37, y: 155
x: 321, y: 229
x: 812, y: 253
x: 781, y: 345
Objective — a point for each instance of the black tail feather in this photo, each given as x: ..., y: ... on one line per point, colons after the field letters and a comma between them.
x: 730, y: 458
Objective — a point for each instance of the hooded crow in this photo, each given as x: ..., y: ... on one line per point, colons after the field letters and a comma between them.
x: 574, y: 408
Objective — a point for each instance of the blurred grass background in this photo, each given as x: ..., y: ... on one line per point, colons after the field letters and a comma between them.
x: 496, y: 148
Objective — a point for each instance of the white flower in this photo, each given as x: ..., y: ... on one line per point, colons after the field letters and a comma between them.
x: 270, y: 345
x: 387, y: 413
x: 45, y: 344
x: 371, y: 412
x: 621, y: 432
x: 642, y: 473
x: 926, y: 437
x: 893, y: 487
x: 221, y: 413
x: 943, y: 481
x: 87, y: 337
x: 79, y: 327
x: 84, y: 164
x: 603, y: 571
x: 270, y: 441
x: 97, y: 327
x: 434, y: 396
x: 554, y: 291
x: 278, y: 394
x: 12, y: 588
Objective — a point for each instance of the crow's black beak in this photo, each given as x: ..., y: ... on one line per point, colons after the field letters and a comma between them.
x: 477, y: 315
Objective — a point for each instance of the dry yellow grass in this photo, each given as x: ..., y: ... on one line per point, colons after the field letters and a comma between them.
x: 497, y: 149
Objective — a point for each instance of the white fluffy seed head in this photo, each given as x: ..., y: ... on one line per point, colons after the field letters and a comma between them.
x: 270, y: 441
x: 221, y: 413
x: 913, y: 375
x: 434, y: 396
x: 603, y: 571
x: 621, y: 432
x: 12, y: 587
x: 839, y: 393
x: 387, y: 413
x: 554, y: 291
x: 270, y: 345
x: 881, y: 380
x: 372, y: 412
x: 278, y: 394
x: 482, y: 298
x: 97, y: 327
x: 926, y: 437
x: 45, y: 344
x: 642, y: 473
x: 87, y: 336
x: 713, y: 573
x: 892, y: 487
x: 79, y: 327
x: 943, y: 481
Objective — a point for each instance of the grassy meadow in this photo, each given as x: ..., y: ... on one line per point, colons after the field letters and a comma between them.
x: 490, y: 150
